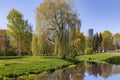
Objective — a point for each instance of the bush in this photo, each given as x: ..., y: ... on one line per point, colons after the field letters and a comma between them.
x: 88, y: 51
x: 113, y: 60
x: 0, y: 53
x: 11, y: 52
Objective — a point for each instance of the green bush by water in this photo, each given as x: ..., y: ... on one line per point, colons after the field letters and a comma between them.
x: 113, y: 60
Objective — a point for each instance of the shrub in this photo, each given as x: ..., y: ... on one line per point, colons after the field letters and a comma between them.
x: 11, y: 52
x: 88, y: 51
x: 0, y: 53
x: 113, y: 60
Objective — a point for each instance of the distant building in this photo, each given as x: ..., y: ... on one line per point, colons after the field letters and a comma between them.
x: 2, y: 31
x: 2, y: 38
x: 90, y: 33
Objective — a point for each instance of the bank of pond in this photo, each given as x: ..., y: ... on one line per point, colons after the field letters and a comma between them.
x: 56, y: 68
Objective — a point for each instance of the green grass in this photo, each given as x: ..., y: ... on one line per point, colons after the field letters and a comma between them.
x: 25, y: 66
x: 118, y: 51
x: 98, y: 57
x: 30, y: 66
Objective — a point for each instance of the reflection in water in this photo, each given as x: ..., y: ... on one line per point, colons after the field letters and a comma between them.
x: 86, y: 71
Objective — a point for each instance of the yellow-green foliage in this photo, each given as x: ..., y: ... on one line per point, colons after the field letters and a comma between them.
x: 55, y: 24
x: 18, y: 31
x: 88, y: 51
x: 107, y: 43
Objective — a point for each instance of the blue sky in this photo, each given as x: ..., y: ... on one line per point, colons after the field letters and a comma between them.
x: 97, y: 14
x: 26, y: 7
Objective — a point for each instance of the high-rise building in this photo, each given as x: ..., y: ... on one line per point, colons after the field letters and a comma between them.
x: 90, y: 33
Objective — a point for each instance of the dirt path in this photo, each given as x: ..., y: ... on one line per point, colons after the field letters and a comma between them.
x: 117, y: 54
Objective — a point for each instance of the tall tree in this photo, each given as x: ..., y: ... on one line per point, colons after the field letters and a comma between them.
x: 16, y: 29
x: 76, y: 43
x: 57, y: 18
x: 34, y: 45
x: 107, y: 34
x: 88, y: 42
x: 107, y: 43
x: 81, y: 42
x: 116, y: 40
x: 100, y: 42
x: 27, y: 39
x: 97, y: 42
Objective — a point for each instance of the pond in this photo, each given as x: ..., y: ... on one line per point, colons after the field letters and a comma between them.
x: 86, y: 71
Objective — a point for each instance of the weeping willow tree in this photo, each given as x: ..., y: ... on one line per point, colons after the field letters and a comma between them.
x: 76, y: 43
x: 56, y: 24
x: 41, y: 45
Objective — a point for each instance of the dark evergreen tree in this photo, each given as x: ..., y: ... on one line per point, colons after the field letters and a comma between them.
x: 100, y: 42
x: 95, y: 42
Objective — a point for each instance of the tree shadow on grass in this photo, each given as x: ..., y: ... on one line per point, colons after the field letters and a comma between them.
x: 74, y: 61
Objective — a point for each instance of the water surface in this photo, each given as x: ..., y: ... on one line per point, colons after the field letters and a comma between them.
x: 86, y: 71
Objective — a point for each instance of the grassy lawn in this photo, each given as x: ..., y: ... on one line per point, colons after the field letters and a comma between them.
x: 15, y: 67
x: 98, y: 57
x: 34, y: 65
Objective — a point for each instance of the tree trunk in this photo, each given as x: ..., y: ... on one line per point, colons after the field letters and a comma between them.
x: 4, y: 55
x: 64, y: 56
x: 20, y: 48
x: 3, y: 48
